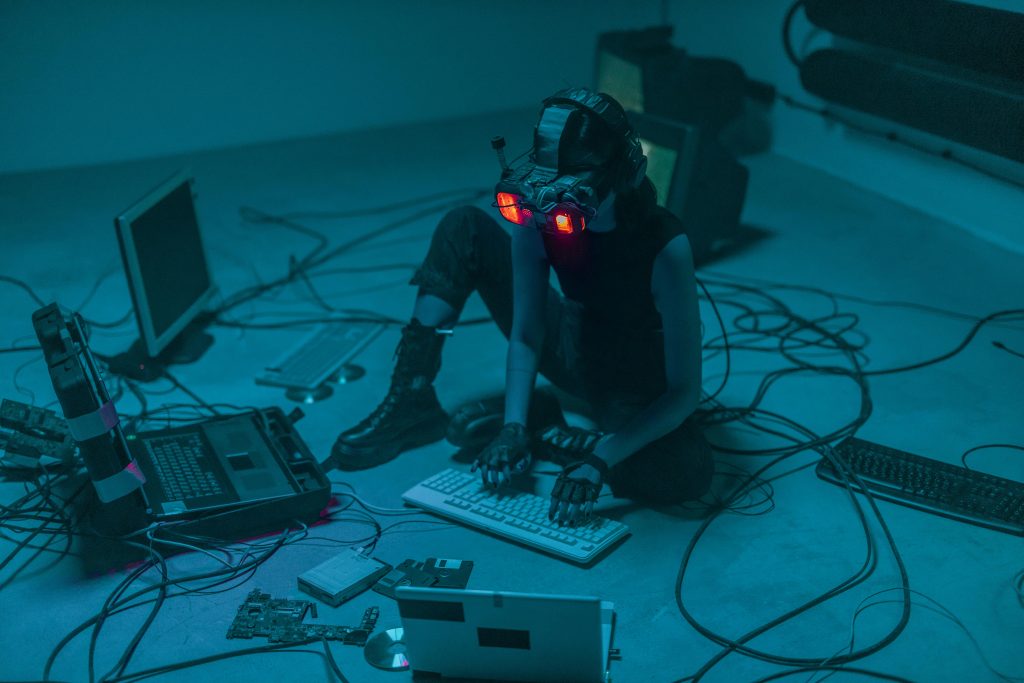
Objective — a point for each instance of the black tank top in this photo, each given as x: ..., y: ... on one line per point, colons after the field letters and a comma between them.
x: 608, y: 277
x: 609, y: 273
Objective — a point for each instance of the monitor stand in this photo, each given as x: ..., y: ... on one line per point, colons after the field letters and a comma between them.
x: 136, y: 363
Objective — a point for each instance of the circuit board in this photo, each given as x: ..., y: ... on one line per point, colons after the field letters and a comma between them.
x: 30, y: 436
x: 280, y: 621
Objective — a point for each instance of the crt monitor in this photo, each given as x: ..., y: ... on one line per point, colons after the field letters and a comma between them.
x: 646, y: 73
x: 625, y: 58
x: 696, y: 179
x: 622, y: 78
x: 168, y: 277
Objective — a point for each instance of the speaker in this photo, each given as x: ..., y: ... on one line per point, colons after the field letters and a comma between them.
x: 965, y: 111
x: 989, y: 41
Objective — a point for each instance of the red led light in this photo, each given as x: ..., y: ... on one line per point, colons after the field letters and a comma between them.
x: 563, y: 222
x: 508, y: 205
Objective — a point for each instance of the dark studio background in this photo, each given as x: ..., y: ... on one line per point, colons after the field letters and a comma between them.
x: 332, y: 106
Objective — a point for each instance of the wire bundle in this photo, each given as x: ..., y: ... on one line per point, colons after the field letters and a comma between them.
x: 831, y: 345
x: 827, y: 345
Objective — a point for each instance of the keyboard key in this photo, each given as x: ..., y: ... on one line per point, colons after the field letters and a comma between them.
x: 931, y: 485
x: 178, y: 464
x: 316, y: 357
x: 516, y: 516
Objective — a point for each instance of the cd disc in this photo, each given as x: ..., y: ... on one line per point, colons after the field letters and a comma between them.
x: 387, y: 650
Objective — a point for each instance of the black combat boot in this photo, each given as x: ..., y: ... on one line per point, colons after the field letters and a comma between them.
x: 475, y: 425
x: 409, y: 416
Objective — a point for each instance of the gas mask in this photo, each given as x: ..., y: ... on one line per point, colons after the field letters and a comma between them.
x: 565, y: 179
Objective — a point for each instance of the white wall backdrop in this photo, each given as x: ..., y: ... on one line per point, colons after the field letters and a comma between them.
x: 92, y: 81
x: 95, y: 81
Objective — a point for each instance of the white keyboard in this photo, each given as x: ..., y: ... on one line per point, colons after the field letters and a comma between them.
x: 317, y: 356
x: 514, y: 515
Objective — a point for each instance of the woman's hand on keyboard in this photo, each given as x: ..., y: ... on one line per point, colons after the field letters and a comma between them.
x: 576, y: 490
x: 508, y: 452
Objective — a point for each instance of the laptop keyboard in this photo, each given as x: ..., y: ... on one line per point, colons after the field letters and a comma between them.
x: 177, y: 461
x: 515, y: 515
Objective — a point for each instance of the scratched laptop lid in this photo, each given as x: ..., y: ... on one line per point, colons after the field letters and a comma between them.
x: 492, y: 635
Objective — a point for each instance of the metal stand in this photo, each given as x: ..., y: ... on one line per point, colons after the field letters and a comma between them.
x: 346, y: 374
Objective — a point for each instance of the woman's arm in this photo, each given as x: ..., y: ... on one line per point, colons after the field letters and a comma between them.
x: 530, y: 270
x: 673, y: 284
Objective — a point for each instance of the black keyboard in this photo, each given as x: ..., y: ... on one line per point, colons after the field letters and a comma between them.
x: 178, y: 462
x: 933, y: 486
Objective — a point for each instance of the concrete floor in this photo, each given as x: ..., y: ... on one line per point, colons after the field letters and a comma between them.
x: 57, y: 235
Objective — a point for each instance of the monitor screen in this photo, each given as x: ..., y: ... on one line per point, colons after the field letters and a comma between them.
x: 671, y: 149
x: 622, y: 79
x: 165, y: 261
x: 661, y: 165
x: 697, y: 180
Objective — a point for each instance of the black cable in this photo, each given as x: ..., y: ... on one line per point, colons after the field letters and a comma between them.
x: 725, y: 338
x: 963, y: 456
x: 366, y: 269
x: 128, y: 315
x: 317, y: 299
x: 932, y: 605
x: 251, y: 215
x: 156, y: 587
x: 787, y: 43
x: 19, y: 349
x: 21, y: 544
x: 833, y: 296
x: 738, y: 644
x: 24, y: 286
x: 786, y: 333
x: 376, y: 210
x: 19, y: 510
x: 119, y: 603
x: 112, y: 598
x: 129, y: 651
x: 178, y: 666
x: 960, y: 347
x: 319, y: 256
x: 792, y: 334
x: 893, y: 136
x: 1012, y: 314
x: 195, y: 397
x: 1000, y: 345
x: 880, y: 675
x: 118, y: 671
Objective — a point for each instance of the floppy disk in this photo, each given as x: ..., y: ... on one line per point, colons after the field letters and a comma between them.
x: 408, y: 573
x: 449, y: 573
x: 442, y: 573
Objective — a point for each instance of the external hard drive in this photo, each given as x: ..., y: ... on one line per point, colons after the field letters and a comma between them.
x: 342, y: 577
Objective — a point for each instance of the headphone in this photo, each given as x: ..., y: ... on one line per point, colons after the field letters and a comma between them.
x: 633, y: 165
x: 539, y: 195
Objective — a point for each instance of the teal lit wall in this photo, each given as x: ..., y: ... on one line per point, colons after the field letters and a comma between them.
x: 109, y: 80
x: 748, y: 31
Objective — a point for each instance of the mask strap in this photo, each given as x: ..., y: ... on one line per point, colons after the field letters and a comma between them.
x: 548, y: 136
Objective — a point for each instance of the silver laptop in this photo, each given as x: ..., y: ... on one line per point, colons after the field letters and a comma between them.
x: 492, y: 635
